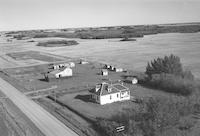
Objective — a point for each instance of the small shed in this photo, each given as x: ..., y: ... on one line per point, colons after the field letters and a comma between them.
x: 72, y: 64
x: 83, y: 62
x: 61, y: 65
x: 107, y: 66
x: 104, y: 72
x: 66, y: 65
x: 56, y: 67
x: 118, y: 69
x: 112, y: 68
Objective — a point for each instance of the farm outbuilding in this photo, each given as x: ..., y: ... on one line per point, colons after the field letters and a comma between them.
x: 72, y: 64
x: 56, y: 67
x: 107, y: 66
x: 112, y: 68
x: 118, y: 69
x: 65, y: 72
x: 62, y: 65
x: 104, y: 72
x: 83, y: 62
x: 65, y: 65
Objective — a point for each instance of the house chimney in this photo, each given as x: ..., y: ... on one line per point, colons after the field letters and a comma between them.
x: 97, y: 87
x: 109, y: 89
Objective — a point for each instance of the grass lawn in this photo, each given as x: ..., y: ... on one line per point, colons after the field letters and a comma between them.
x: 26, y: 55
x: 3, y: 129
x: 81, y: 103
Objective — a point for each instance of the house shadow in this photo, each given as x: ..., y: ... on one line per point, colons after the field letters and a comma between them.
x: 91, y: 90
x: 99, y: 73
x: 125, y: 76
x: 85, y: 98
x: 127, y: 81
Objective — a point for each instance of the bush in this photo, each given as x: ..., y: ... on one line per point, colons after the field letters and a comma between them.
x: 155, y: 117
x: 40, y: 36
x: 186, y: 123
x: 167, y: 74
x: 57, y: 43
x: 170, y: 65
x: 110, y: 127
x: 188, y: 75
x: 171, y: 83
x: 19, y: 37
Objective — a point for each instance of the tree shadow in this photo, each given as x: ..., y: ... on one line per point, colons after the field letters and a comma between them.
x: 85, y: 98
x: 99, y: 73
x: 127, y: 81
x: 43, y: 80
x: 125, y: 76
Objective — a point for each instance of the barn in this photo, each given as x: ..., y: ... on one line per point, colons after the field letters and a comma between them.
x: 118, y: 69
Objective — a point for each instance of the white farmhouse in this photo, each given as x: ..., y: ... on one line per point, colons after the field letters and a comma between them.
x: 65, y: 72
x: 105, y: 93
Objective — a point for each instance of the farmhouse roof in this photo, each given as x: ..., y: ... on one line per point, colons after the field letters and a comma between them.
x: 106, y: 88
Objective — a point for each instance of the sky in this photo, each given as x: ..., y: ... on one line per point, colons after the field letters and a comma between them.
x: 52, y: 14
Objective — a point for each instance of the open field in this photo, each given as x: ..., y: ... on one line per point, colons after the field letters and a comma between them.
x: 184, y: 45
x: 28, y: 58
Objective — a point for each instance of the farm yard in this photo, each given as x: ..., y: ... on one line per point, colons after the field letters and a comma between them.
x: 32, y: 78
x: 30, y: 63
x: 73, y: 93
x: 85, y: 76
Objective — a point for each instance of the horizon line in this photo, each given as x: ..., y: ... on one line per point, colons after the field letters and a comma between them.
x: 189, y: 23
